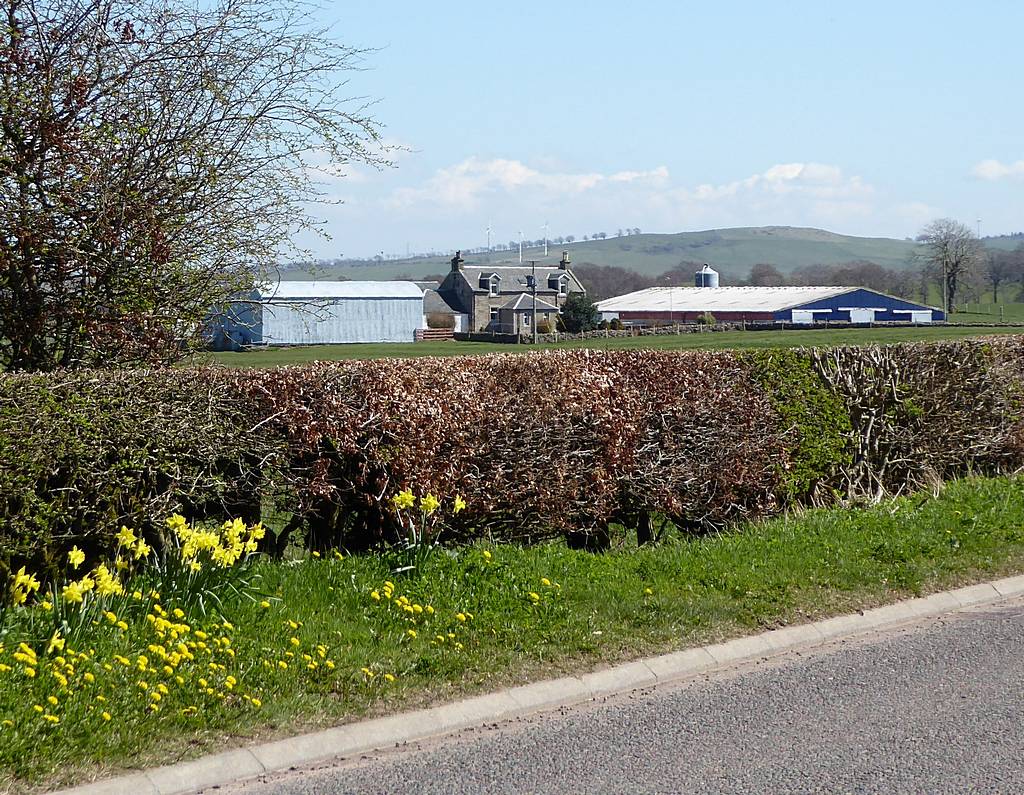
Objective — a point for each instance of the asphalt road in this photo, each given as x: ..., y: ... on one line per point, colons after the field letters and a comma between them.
x: 932, y: 708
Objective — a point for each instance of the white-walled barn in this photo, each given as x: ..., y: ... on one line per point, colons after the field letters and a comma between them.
x: 320, y: 313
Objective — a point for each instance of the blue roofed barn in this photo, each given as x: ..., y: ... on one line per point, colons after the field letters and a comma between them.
x: 765, y: 304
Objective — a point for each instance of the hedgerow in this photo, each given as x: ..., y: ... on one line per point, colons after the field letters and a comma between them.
x: 557, y: 443
x: 83, y: 454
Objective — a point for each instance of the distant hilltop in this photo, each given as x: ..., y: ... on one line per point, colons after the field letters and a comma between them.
x: 731, y: 251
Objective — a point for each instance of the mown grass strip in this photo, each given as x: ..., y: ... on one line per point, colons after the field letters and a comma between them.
x: 278, y: 357
x: 482, y: 617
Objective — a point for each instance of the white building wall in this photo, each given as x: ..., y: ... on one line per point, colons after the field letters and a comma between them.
x: 339, y: 320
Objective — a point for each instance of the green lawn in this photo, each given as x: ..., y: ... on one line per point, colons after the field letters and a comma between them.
x: 987, y: 312
x: 326, y: 640
x: 276, y: 357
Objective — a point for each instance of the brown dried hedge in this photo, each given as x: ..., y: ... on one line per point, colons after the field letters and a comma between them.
x: 539, y: 445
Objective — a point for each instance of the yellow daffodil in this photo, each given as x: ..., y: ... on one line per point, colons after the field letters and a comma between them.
x: 125, y: 537
x: 460, y: 503
x: 72, y: 593
x: 404, y: 499
x: 429, y: 504
x: 56, y: 643
x: 76, y: 557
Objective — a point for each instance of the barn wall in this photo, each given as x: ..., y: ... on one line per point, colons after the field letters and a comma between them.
x: 862, y: 298
x: 339, y: 320
x: 237, y: 326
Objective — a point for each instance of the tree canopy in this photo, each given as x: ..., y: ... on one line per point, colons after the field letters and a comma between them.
x: 156, y: 157
x: 578, y: 313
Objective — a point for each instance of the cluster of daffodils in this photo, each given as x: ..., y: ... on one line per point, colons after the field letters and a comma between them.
x: 165, y: 663
x: 427, y: 504
x: 422, y: 523
x: 224, y: 547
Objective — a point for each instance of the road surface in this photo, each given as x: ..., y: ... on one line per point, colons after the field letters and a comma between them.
x: 934, y: 707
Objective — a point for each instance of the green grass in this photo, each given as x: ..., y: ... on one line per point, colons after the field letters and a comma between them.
x: 988, y: 312
x: 276, y: 357
x: 596, y: 609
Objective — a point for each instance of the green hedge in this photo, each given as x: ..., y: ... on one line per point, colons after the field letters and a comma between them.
x: 550, y: 443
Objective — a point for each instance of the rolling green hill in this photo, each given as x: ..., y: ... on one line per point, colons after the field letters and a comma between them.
x: 730, y: 251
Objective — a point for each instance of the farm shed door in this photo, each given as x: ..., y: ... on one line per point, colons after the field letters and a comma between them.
x: 803, y: 316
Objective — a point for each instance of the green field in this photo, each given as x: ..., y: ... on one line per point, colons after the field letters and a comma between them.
x: 277, y: 357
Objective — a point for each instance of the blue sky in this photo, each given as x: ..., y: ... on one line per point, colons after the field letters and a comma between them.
x: 870, y: 119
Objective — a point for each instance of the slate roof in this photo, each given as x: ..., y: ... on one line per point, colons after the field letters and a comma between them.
x: 524, y: 303
x: 439, y: 303
x: 514, y: 277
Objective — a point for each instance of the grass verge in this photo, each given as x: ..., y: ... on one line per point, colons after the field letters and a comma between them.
x: 278, y: 357
x: 331, y: 641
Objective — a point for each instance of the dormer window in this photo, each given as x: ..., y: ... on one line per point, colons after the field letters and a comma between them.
x: 559, y: 283
x: 491, y: 282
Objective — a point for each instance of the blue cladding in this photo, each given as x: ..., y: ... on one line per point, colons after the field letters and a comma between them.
x: 863, y: 299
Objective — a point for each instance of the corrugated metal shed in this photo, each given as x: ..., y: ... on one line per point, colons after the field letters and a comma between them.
x: 319, y: 313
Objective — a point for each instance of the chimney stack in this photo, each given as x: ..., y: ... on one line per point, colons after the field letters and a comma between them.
x: 457, y: 262
x: 563, y: 263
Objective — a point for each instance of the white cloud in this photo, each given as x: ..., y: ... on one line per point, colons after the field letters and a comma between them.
x: 454, y: 204
x: 467, y: 184
x: 995, y: 169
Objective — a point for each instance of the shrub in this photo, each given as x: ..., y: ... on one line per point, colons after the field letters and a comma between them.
x: 578, y: 313
x: 83, y: 454
x: 440, y: 320
x: 706, y: 319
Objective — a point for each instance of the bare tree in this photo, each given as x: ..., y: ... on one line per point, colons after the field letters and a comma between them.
x: 1003, y: 267
x: 156, y: 157
x: 950, y: 255
x: 764, y: 274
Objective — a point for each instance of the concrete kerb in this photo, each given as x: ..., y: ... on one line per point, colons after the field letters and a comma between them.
x: 308, y: 749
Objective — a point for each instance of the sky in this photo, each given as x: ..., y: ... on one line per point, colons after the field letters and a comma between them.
x: 868, y: 118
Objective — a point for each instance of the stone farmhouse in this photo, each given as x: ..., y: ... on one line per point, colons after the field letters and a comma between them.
x: 500, y: 298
